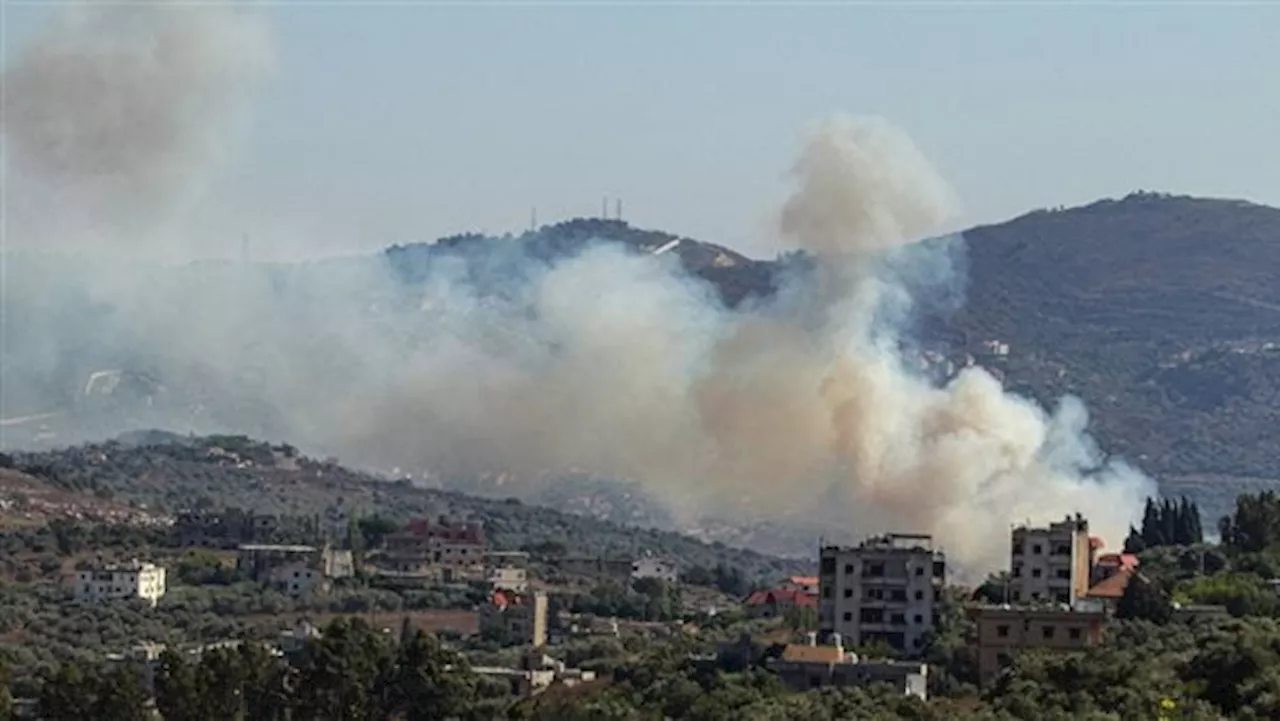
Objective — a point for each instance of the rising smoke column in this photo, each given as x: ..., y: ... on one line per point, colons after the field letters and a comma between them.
x: 803, y: 409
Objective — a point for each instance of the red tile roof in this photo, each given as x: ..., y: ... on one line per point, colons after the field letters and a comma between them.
x: 1113, y: 586
x: 782, y: 597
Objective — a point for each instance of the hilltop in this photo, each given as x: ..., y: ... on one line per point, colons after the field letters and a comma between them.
x: 157, y: 474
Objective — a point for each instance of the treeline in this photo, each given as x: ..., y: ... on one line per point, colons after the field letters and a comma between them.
x: 351, y: 673
x: 1166, y: 523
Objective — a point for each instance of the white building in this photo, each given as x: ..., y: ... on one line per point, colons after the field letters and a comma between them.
x: 123, y: 581
x: 507, y: 571
x: 882, y: 590
x: 1050, y: 564
x: 650, y: 567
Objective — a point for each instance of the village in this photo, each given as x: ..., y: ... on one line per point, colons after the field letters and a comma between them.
x: 866, y: 617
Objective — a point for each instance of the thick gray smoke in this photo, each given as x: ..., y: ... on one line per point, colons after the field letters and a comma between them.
x: 802, y: 409
x: 116, y: 114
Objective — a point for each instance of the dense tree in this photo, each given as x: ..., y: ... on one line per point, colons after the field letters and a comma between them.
x: 1144, y: 600
x: 6, y: 695
x: 177, y: 693
x: 1255, y: 526
x: 1166, y: 523
x: 430, y: 682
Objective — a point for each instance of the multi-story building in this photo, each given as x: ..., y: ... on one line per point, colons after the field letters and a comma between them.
x: 517, y: 618
x: 882, y: 590
x: 1051, y: 564
x: 1005, y: 631
x: 134, y: 579
x: 445, y: 548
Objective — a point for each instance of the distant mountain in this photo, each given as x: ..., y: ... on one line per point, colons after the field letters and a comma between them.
x: 1161, y: 312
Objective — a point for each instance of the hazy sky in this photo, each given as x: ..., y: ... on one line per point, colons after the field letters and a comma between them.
x: 398, y: 123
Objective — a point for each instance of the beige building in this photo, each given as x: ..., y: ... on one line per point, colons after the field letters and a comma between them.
x: 1005, y: 631
x: 883, y: 590
x: 804, y: 667
x: 134, y: 579
x: 1051, y: 564
x: 507, y: 571
x: 519, y: 618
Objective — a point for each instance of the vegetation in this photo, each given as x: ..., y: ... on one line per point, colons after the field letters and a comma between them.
x: 1166, y: 523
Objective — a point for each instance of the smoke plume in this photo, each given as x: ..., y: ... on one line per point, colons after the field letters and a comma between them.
x: 116, y: 114
x: 807, y: 408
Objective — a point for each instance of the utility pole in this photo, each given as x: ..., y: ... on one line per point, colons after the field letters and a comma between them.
x: 617, y: 209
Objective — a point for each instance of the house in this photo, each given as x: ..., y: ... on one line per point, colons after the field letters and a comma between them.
x: 134, y: 579
x: 1051, y: 563
x: 1110, y: 589
x: 507, y: 571
x: 650, y: 567
x: 536, y: 674
x: 883, y: 590
x: 1005, y: 631
x: 445, y: 549
x: 517, y: 618
x: 1107, y: 565
x: 803, y: 667
x: 803, y: 584
x: 775, y: 602
x: 294, y: 570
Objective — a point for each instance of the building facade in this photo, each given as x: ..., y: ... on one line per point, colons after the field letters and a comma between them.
x: 803, y: 667
x: 885, y: 589
x: 145, y: 581
x: 294, y: 570
x: 1005, y: 631
x: 1051, y: 564
x: 518, y: 618
x: 651, y: 567
x: 445, y: 549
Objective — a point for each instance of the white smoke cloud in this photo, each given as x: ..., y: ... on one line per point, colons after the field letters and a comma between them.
x: 804, y: 408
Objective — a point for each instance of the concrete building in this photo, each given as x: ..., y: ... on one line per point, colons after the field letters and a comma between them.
x: 507, y: 571
x: 134, y: 579
x: 651, y: 567
x: 536, y: 674
x: 294, y: 570
x: 882, y: 590
x: 1005, y: 631
x: 804, y: 584
x: 1051, y: 564
x: 517, y: 618
x: 804, y: 667
x: 445, y: 549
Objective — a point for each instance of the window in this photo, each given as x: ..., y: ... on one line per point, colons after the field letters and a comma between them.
x: 1062, y: 549
x: 918, y: 619
x: 875, y: 594
x: 898, y: 619
x: 1036, y: 549
x: 1063, y: 573
x: 1017, y: 548
x: 873, y: 569
x: 848, y: 616
x: 919, y: 571
x: 1017, y: 596
x: 1035, y: 573
x: 919, y: 595
x: 848, y: 569
x: 848, y: 593
x: 1074, y: 634
x: 1002, y: 631
x: 871, y: 615
x: 1047, y: 631
x: 826, y: 592
x: 828, y: 566
x: 939, y: 569
x: 1017, y: 571
x: 898, y: 594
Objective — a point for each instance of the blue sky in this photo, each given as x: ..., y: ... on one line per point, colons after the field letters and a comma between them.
x: 396, y: 123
